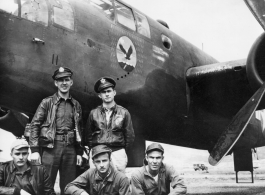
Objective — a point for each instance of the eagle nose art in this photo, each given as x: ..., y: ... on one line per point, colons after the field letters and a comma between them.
x: 126, y: 54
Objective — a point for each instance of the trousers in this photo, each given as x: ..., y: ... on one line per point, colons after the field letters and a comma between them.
x: 119, y: 160
x: 61, y: 158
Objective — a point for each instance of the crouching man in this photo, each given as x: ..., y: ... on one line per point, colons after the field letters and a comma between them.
x: 154, y: 177
x: 103, y: 179
x: 20, y: 177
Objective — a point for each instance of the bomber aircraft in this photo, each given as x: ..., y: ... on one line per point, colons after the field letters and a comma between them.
x: 176, y: 93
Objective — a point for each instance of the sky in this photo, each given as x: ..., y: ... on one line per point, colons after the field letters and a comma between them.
x: 225, y: 28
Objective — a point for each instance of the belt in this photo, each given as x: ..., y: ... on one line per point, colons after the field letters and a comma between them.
x: 61, y: 137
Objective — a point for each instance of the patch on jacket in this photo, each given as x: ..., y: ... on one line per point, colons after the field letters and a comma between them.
x: 118, y: 120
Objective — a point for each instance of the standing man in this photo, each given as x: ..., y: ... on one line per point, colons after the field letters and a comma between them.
x: 100, y: 180
x: 155, y: 177
x: 56, y: 129
x: 20, y: 177
x: 110, y: 124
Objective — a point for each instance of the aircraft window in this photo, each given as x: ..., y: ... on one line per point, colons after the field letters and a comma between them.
x: 104, y: 6
x: 63, y: 14
x: 125, y: 16
x: 142, y: 25
x: 9, y: 7
x: 36, y: 11
x: 166, y: 42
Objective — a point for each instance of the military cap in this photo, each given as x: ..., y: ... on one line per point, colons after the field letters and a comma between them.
x: 62, y: 72
x: 154, y: 146
x: 19, y: 143
x: 103, y: 83
x: 100, y: 149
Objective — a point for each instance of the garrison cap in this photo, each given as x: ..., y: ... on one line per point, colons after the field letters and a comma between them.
x: 103, y: 83
x: 154, y: 146
x: 100, y: 149
x: 62, y: 72
x: 19, y: 143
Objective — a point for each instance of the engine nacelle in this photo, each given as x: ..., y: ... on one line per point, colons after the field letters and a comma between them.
x: 256, y: 63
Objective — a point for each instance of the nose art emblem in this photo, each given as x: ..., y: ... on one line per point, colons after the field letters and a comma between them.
x: 126, y: 54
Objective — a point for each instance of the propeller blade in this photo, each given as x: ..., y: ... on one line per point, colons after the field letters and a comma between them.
x: 257, y: 8
x: 237, y: 126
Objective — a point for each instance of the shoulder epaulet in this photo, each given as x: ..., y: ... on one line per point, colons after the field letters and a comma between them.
x: 4, y: 163
x: 98, y: 107
x: 49, y: 97
x: 119, y: 106
x: 36, y: 164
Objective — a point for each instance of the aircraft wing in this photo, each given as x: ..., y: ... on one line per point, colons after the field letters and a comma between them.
x: 257, y: 7
x: 207, y: 83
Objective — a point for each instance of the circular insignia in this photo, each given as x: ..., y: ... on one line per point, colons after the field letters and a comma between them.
x: 61, y: 69
x: 103, y: 81
x: 126, y: 54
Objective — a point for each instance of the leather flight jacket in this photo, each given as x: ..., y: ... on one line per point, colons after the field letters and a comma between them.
x: 38, y: 178
x: 43, y: 124
x: 117, y: 134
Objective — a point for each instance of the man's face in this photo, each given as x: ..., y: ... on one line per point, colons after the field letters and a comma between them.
x: 107, y: 95
x: 102, y: 162
x: 154, y: 159
x: 64, y: 84
x: 20, y: 156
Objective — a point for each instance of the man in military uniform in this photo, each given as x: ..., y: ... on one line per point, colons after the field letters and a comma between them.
x: 56, y: 129
x: 20, y: 177
x: 155, y: 177
x: 110, y: 124
x: 100, y: 180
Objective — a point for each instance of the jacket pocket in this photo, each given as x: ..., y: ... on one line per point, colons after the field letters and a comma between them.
x: 95, y: 136
x: 45, y: 135
x: 117, y: 137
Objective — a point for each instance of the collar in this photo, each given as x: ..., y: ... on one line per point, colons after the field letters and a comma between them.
x: 109, y: 177
x: 113, y: 108
x: 57, y: 98
x: 162, y: 169
x: 13, y: 167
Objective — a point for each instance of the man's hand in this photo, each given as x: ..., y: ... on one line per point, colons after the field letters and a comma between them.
x: 23, y: 192
x: 79, y: 160
x: 84, y: 193
x: 35, y: 157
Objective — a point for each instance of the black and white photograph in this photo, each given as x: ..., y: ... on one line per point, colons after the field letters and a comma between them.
x: 132, y: 97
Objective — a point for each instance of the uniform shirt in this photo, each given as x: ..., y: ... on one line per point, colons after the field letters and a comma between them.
x: 115, y: 183
x: 64, y: 116
x: 144, y: 184
x: 108, y: 113
x: 21, y: 181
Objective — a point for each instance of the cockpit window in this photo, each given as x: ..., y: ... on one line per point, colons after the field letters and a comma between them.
x: 105, y: 6
x: 9, y: 7
x: 142, y: 24
x: 125, y: 16
x: 35, y: 10
x: 63, y: 14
